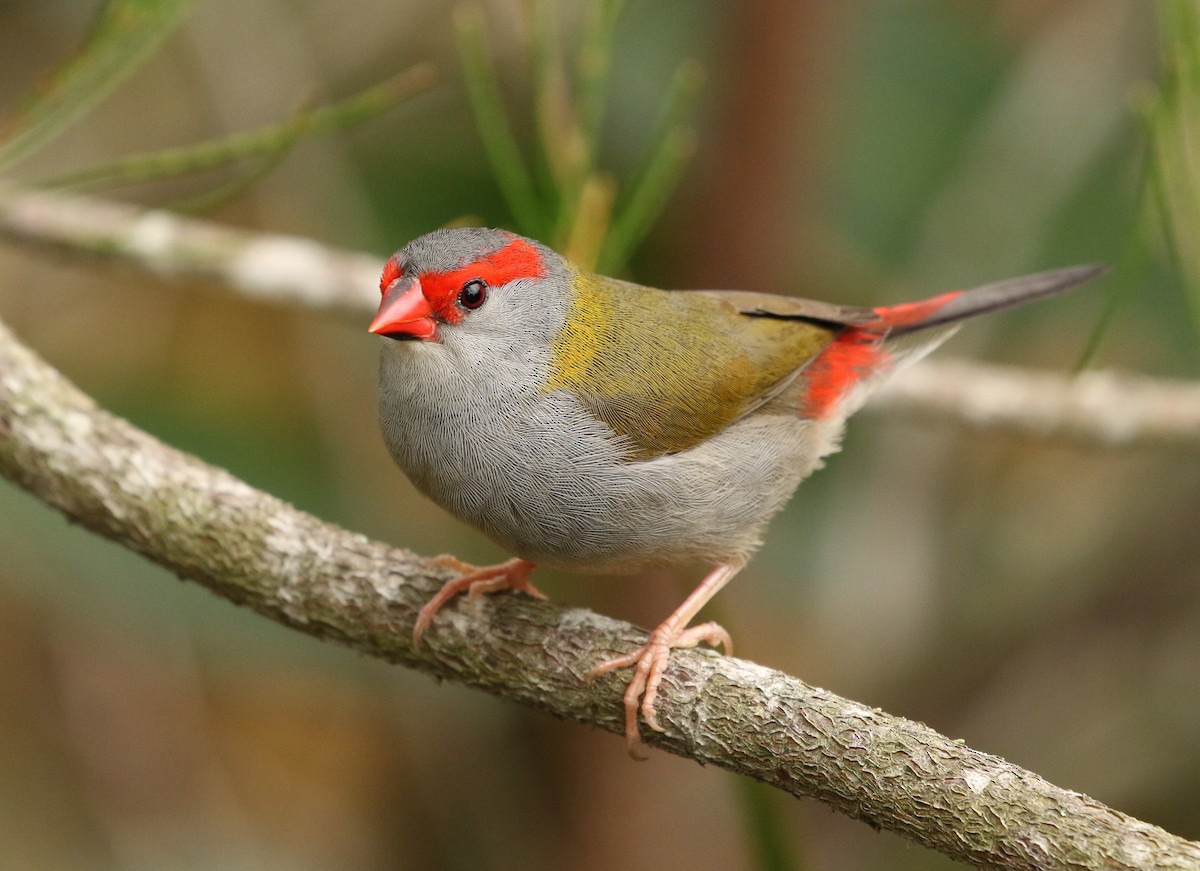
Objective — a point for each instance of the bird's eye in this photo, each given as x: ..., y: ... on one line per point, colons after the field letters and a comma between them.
x: 473, y: 293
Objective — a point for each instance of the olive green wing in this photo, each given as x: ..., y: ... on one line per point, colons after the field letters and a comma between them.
x: 667, y: 370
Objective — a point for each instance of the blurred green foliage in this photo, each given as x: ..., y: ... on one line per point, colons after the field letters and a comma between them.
x: 120, y: 40
x: 1038, y: 601
x: 1172, y: 119
x: 566, y: 199
x: 123, y: 35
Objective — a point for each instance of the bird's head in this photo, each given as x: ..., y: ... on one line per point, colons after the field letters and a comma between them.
x: 471, y: 283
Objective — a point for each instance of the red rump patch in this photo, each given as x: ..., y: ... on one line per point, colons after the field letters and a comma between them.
x: 907, y: 313
x: 848, y: 359
x: 858, y: 353
x: 517, y: 259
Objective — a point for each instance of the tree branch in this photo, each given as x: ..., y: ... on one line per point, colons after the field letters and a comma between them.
x: 207, y: 526
x: 284, y: 270
x: 1096, y: 408
x: 1105, y: 409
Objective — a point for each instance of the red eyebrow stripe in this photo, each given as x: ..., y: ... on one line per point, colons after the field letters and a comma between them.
x: 391, y: 271
x: 517, y: 259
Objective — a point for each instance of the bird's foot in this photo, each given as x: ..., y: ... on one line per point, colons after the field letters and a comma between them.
x: 649, y: 663
x: 475, y: 582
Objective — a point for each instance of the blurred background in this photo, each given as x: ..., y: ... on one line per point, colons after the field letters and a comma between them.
x: 1040, y: 601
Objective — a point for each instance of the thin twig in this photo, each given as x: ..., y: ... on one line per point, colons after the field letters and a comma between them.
x: 1104, y: 409
x: 124, y: 33
x: 207, y: 526
x: 284, y: 270
x: 268, y: 142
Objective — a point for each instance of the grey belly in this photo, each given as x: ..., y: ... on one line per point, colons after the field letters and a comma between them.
x: 552, y: 487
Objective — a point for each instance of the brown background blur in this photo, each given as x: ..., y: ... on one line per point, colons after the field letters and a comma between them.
x: 1039, y: 601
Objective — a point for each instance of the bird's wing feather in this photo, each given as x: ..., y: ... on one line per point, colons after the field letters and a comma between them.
x: 770, y: 305
x: 664, y: 390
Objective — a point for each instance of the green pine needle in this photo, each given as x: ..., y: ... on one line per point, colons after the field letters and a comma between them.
x: 266, y: 145
x: 577, y: 211
x: 124, y: 34
x: 499, y: 141
x: 1172, y: 119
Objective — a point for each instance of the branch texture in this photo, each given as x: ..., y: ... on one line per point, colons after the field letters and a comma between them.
x: 1097, y: 408
x: 207, y: 526
x: 1105, y: 409
x: 285, y: 270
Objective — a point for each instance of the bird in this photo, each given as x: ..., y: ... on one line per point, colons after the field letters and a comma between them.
x: 593, y: 425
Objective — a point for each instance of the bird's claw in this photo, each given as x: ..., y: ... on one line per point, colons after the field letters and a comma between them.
x: 649, y: 663
x: 512, y: 574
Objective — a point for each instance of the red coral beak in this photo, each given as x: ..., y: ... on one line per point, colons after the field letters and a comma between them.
x: 404, y: 312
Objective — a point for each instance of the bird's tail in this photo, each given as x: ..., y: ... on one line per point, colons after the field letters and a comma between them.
x: 958, y: 305
x: 880, y: 341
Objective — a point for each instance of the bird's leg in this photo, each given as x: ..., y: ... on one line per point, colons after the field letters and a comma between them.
x: 510, y: 575
x: 650, y: 661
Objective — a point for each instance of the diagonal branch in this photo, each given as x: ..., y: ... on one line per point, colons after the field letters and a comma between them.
x: 1098, y: 408
x: 207, y: 526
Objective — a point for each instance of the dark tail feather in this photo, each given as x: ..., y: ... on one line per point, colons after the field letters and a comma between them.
x: 988, y: 298
x: 880, y: 341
